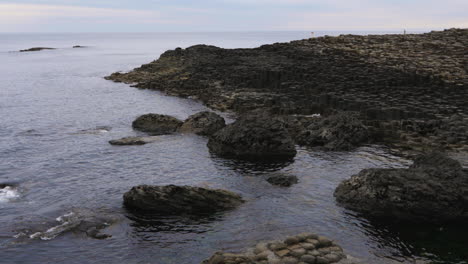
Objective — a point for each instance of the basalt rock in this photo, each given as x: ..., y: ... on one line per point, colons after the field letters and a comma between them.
x: 254, y: 136
x: 157, y: 124
x: 203, y: 123
x: 303, y: 248
x: 36, y: 49
x: 343, y: 131
x: 282, y: 180
x: 176, y: 200
x: 406, y: 87
x: 433, y: 190
x: 133, y: 141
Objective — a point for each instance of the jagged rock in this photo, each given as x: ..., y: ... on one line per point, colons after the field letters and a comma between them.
x: 203, y: 123
x: 157, y: 124
x: 36, y: 49
x: 253, y: 136
x: 433, y: 190
x: 342, y: 131
x: 303, y: 248
x: 174, y: 200
x: 133, y: 141
x: 283, y: 180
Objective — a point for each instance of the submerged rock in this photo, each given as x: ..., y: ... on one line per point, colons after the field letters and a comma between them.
x: 342, y: 131
x: 254, y: 137
x: 157, y: 124
x: 175, y: 200
x: 203, y: 123
x: 36, y: 49
x: 283, y: 180
x: 303, y: 248
x: 133, y: 140
x: 433, y: 190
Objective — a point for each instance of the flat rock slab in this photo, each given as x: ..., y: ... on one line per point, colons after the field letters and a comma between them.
x: 134, y: 140
x: 36, y: 49
x: 176, y: 200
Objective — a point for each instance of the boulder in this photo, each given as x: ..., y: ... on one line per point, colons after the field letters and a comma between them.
x: 36, y: 49
x: 342, y: 131
x: 175, y: 200
x: 157, y: 124
x: 133, y: 141
x: 204, y: 123
x: 433, y: 190
x: 254, y: 137
x: 282, y: 180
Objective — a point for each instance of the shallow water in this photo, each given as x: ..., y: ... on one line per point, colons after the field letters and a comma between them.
x: 57, y: 116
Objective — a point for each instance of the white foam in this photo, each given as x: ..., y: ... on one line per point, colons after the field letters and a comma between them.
x: 8, y: 193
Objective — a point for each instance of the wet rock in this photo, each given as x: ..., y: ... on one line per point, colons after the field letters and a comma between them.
x: 343, y: 131
x: 283, y: 180
x: 203, y: 123
x: 253, y: 137
x: 174, y: 200
x: 78, y: 47
x: 432, y: 190
x: 290, y: 250
x: 133, y: 141
x: 36, y: 49
x: 157, y: 124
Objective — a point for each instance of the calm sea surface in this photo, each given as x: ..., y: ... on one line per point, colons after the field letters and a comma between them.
x: 57, y: 114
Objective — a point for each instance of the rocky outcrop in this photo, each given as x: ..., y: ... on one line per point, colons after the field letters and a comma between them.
x: 411, y: 89
x: 342, y: 131
x: 133, y: 141
x: 203, y: 123
x: 303, y: 248
x: 282, y: 180
x: 157, y: 124
x: 254, y: 136
x: 36, y: 49
x: 175, y: 200
x: 433, y: 190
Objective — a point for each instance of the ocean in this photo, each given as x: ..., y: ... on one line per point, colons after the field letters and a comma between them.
x: 57, y: 114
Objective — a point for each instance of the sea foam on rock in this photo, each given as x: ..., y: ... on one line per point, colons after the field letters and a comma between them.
x: 303, y: 248
x: 175, y: 200
x: 433, y: 190
x: 157, y: 124
x: 254, y: 136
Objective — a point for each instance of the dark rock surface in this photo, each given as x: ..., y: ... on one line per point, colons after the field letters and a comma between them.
x: 342, y: 131
x: 254, y: 136
x: 203, y: 123
x: 303, y: 248
x: 36, y: 49
x: 157, y: 124
x: 433, y: 190
x: 133, y: 141
x: 282, y: 180
x: 412, y: 89
x: 175, y: 200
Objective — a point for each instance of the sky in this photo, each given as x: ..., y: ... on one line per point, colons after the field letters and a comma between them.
x: 229, y: 15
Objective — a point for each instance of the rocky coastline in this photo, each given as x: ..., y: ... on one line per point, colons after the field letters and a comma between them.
x: 410, y: 90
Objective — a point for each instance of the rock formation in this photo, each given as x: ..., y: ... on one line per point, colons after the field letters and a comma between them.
x: 303, y: 248
x: 433, y: 190
x: 282, y: 180
x: 176, y: 200
x: 133, y: 141
x: 157, y: 124
x: 203, y: 123
x: 253, y: 136
x: 412, y: 89
x: 36, y: 49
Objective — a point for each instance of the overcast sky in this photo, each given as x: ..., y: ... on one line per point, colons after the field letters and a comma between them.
x: 228, y: 15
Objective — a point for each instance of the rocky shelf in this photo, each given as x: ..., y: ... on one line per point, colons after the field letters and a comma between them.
x: 411, y: 89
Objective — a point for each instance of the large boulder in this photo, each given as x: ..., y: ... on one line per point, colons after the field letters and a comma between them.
x: 253, y: 136
x: 342, y: 131
x: 175, y: 200
x: 433, y: 190
x: 204, y: 123
x: 157, y: 124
